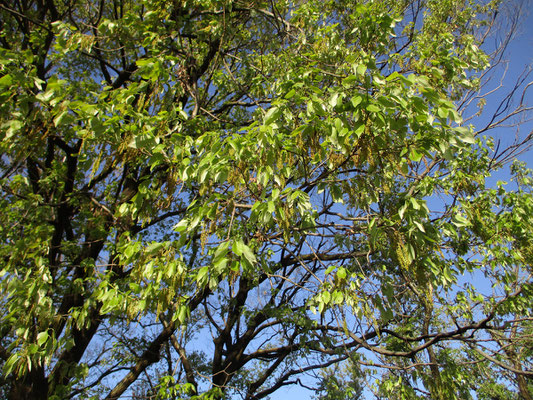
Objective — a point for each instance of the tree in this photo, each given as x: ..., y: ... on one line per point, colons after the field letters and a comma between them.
x: 217, y: 198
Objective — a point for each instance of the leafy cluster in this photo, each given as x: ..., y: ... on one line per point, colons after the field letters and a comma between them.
x: 209, y: 199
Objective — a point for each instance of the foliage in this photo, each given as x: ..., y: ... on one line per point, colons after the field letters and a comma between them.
x: 211, y: 199
x: 341, y: 382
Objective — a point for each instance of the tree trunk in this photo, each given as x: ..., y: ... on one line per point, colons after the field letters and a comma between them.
x: 33, y: 386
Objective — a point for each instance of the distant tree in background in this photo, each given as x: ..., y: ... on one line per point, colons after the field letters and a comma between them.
x: 208, y: 199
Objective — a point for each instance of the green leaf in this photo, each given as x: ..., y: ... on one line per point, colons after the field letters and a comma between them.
x: 154, y: 247
x: 460, y: 221
x: 330, y: 269
x: 10, y: 364
x: 290, y: 94
x: 373, y: 108
x: 415, y: 156
x: 240, y: 249
x: 356, y: 101
x: 326, y: 297
x: 336, y: 194
x: 181, y: 226
x: 181, y: 314
x: 442, y: 112
x: 6, y: 80
x: 62, y: 118
x: 221, y: 251
x: 419, y: 226
x: 341, y: 273
x: 46, y: 96
x: 337, y: 297
x: 201, y: 277
x: 42, y: 337
x: 272, y: 115
x: 467, y: 136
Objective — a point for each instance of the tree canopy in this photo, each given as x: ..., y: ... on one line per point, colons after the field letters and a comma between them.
x: 216, y: 199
